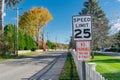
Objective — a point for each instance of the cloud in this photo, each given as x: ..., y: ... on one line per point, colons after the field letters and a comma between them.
x: 115, y: 27
x: 118, y: 0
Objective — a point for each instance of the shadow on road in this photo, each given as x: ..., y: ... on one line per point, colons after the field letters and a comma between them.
x: 35, y: 60
x: 53, y: 68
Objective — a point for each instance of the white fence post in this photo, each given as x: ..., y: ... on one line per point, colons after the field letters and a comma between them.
x: 91, y: 73
x: 92, y: 66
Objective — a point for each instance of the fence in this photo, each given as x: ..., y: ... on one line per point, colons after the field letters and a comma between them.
x: 91, y: 73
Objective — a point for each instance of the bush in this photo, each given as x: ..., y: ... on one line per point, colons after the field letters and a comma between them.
x: 112, y: 49
x: 33, y: 49
x: 51, y: 45
x: 25, y: 48
x: 118, y: 50
x: 108, y: 50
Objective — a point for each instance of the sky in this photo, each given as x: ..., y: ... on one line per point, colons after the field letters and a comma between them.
x: 60, y: 28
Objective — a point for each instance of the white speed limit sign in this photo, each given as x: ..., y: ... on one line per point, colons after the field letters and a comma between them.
x: 82, y: 27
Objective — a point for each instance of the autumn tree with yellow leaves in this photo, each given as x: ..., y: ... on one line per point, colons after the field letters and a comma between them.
x: 33, y: 20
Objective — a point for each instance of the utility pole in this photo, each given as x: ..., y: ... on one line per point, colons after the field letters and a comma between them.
x: 56, y: 42
x: 43, y: 39
x: 16, y: 31
x: 47, y: 36
x: 47, y: 41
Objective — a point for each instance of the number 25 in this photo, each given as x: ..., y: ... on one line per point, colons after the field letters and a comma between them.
x: 85, y: 31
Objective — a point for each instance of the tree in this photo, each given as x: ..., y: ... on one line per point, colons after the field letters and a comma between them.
x: 72, y: 43
x: 115, y: 39
x: 29, y: 42
x: 114, y: 42
x: 3, y: 45
x: 9, y: 36
x: 118, y: 39
x: 21, y: 40
x: 33, y: 20
x: 100, y: 23
x: 25, y: 41
x: 9, y: 4
x: 51, y: 45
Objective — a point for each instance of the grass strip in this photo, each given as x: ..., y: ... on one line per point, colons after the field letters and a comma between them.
x: 13, y: 56
x: 108, y: 66
x: 69, y: 71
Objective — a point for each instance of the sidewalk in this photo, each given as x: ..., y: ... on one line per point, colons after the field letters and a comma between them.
x: 52, y: 71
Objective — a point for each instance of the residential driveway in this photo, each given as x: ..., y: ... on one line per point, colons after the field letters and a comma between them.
x: 32, y: 68
x: 115, y: 54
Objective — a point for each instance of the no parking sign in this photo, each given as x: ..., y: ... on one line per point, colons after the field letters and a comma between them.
x: 83, y: 50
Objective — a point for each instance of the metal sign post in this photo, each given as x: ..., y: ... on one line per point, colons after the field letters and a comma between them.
x: 83, y: 70
x: 82, y: 34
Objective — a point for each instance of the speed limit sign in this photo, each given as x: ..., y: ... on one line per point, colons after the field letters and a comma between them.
x: 82, y: 27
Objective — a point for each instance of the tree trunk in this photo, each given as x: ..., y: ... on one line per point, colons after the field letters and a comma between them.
x: 1, y: 22
x: 92, y: 48
x: 1, y: 14
x: 92, y: 55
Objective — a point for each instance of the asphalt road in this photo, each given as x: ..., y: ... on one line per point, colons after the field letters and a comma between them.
x: 33, y: 68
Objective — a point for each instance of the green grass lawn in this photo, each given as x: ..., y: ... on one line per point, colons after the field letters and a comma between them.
x: 12, y: 56
x: 69, y: 71
x: 108, y: 66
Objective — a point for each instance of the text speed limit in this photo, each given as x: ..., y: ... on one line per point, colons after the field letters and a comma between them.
x: 82, y: 28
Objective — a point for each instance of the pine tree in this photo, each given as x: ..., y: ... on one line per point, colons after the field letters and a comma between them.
x: 21, y: 40
x: 100, y: 22
x: 9, y: 36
